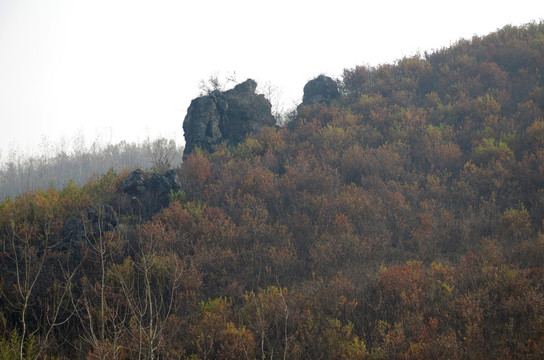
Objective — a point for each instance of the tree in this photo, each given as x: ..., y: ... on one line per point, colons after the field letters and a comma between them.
x: 93, y: 296
x: 216, y: 82
x: 28, y: 229
x: 151, y: 288
x: 162, y: 153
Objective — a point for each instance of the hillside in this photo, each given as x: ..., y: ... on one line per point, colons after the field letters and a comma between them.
x: 400, y: 220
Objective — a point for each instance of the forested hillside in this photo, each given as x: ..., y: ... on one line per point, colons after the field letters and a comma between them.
x: 404, y: 220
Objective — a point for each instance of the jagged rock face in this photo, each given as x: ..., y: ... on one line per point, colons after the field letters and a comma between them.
x: 201, y: 124
x: 102, y: 218
x: 150, y: 192
x: 134, y: 183
x: 321, y: 90
x: 226, y: 116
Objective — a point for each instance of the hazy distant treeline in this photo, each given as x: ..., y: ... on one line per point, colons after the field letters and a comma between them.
x: 22, y: 173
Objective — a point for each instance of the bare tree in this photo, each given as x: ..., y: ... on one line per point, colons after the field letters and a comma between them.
x: 280, y: 110
x: 150, y: 285
x: 162, y: 153
x: 28, y: 244
x: 102, y: 327
x: 216, y: 83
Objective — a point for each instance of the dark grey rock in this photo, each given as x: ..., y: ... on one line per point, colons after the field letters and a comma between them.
x: 320, y: 90
x: 95, y: 220
x: 226, y: 116
x: 73, y: 232
x: 134, y: 183
x: 201, y: 124
x: 102, y: 218
x: 150, y: 192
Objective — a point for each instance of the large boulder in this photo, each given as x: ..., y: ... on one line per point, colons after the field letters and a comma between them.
x: 226, y: 116
x: 320, y: 90
x: 150, y: 192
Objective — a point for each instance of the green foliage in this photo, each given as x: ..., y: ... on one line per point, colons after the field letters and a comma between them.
x: 490, y: 150
x: 102, y: 189
x: 12, y: 349
x: 179, y: 196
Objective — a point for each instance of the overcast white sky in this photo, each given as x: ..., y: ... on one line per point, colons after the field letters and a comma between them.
x: 128, y: 69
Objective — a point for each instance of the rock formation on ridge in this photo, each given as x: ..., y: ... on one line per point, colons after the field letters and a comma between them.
x: 321, y: 90
x: 226, y: 116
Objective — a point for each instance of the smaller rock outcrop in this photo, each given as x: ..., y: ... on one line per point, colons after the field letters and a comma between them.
x: 95, y: 220
x: 320, y: 90
x: 226, y: 116
x: 150, y: 192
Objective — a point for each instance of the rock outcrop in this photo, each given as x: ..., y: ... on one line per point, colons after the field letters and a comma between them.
x: 320, y: 90
x: 150, y: 192
x: 95, y: 220
x: 226, y: 116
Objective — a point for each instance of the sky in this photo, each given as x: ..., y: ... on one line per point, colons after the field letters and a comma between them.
x: 77, y: 71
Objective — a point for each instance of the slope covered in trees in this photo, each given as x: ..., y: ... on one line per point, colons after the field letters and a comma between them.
x: 402, y: 221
